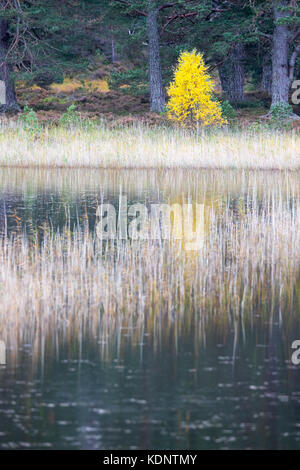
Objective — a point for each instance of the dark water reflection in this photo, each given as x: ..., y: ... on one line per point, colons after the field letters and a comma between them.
x: 146, y: 400
x: 221, y: 393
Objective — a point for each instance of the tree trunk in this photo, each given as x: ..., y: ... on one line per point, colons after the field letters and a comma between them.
x: 113, y: 51
x: 232, y: 75
x: 157, y: 93
x: 281, y: 82
x: 8, y: 100
x: 266, y: 78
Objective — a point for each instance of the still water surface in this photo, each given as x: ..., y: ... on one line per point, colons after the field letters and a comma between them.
x: 219, y: 392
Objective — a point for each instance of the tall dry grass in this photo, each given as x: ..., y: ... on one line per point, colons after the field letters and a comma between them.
x: 139, y: 146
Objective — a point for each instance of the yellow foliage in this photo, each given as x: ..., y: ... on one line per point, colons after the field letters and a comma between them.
x: 191, y: 92
x: 70, y: 85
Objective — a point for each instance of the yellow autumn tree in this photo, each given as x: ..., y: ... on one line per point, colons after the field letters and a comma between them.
x: 191, y: 93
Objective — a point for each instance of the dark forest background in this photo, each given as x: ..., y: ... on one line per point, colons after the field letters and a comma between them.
x: 252, y: 48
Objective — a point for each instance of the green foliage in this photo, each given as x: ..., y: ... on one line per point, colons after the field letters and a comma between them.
x: 71, y: 117
x: 250, y: 104
x: 228, y: 111
x: 132, y: 82
x: 30, y: 123
x: 269, y: 126
x: 279, y: 119
x: 50, y: 38
x: 54, y: 100
x: 280, y: 116
x: 280, y: 112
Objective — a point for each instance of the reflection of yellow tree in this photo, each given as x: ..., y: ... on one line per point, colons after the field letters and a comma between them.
x: 192, y: 220
x: 183, y: 222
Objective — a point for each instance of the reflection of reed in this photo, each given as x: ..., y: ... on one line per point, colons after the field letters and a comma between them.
x: 142, y: 183
x: 72, y: 287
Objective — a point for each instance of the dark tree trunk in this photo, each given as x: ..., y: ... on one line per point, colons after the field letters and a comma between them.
x: 9, y: 103
x: 113, y: 51
x: 281, y: 81
x: 232, y: 75
x: 266, y: 78
x: 157, y: 93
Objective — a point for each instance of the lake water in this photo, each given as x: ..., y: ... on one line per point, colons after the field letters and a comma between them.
x: 226, y: 387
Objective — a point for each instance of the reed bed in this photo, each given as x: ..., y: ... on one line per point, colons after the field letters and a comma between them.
x: 139, y: 146
x: 72, y: 285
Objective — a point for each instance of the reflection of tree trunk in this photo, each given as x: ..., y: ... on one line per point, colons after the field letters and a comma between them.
x: 157, y: 93
x: 266, y: 78
x: 9, y: 102
x: 232, y: 75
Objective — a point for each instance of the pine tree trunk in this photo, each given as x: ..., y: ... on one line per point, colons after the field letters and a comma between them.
x: 113, y: 51
x: 9, y: 95
x: 266, y: 78
x: 280, y: 58
x: 232, y: 75
x: 157, y: 94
